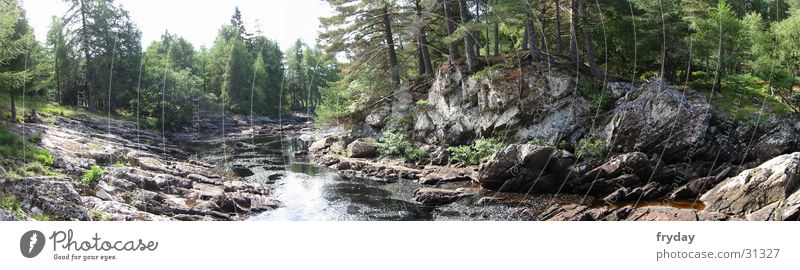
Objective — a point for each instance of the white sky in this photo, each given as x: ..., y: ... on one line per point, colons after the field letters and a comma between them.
x: 198, y: 21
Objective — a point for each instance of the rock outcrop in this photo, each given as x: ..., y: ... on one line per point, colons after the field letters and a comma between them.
x: 659, y: 118
x: 534, y: 104
x: 772, y: 185
x: 51, y: 196
x: 526, y: 168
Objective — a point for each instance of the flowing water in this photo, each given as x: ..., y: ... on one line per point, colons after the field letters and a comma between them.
x: 313, y: 192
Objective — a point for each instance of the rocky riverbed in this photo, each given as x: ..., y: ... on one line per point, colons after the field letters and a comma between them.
x: 146, y: 177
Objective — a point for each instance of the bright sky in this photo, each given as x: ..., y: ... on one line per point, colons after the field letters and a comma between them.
x: 198, y: 21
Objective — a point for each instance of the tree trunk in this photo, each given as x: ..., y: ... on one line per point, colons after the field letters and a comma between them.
x: 531, y: 39
x: 13, y: 107
x: 387, y: 29
x: 525, y: 38
x: 496, y: 39
x: 468, y: 39
x: 90, y: 96
x: 452, y: 49
x: 426, y: 65
x: 559, y: 45
x: 477, y: 36
x: 573, y: 32
x: 587, y: 40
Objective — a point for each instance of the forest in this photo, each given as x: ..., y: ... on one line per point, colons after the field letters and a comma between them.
x: 408, y: 110
x: 93, y: 57
x: 94, y: 60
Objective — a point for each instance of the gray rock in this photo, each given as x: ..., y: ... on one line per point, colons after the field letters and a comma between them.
x: 754, y: 189
x: 363, y: 148
x: 435, y: 175
x: 462, y: 108
x: 660, y: 118
x: 779, y: 141
x: 55, y: 197
x: 6, y: 216
x: 525, y: 168
x: 436, y: 196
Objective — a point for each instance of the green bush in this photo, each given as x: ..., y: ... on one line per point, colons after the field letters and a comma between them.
x: 44, y: 157
x: 591, y: 147
x: 91, y: 176
x: 475, y: 153
x: 394, y: 144
x: 11, y: 204
x: 414, y: 154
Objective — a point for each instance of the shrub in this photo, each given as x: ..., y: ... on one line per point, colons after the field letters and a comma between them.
x: 91, y: 176
x: 44, y: 157
x: 395, y: 144
x: 414, y: 154
x: 474, y: 154
x: 591, y: 147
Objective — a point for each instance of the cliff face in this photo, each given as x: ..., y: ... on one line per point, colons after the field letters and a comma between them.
x: 530, y: 103
x: 546, y: 103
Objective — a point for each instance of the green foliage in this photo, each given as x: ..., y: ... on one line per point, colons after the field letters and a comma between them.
x: 12, y: 205
x: 541, y: 142
x: 395, y: 144
x: 477, y: 152
x: 414, y: 154
x: 41, y: 217
x: 591, y: 147
x: 91, y: 176
x: 100, y: 216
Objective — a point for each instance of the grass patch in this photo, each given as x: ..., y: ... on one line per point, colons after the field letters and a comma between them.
x: 741, y: 96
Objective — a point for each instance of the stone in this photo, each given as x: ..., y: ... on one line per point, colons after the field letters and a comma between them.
x: 525, y: 168
x: 662, y: 213
x: 779, y: 141
x: 6, y: 216
x: 462, y: 107
x: 753, y: 189
x: 322, y: 144
x: 362, y: 148
x: 104, y: 191
x: 55, y: 197
x: 660, y: 119
x: 434, y: 175
x: 436, y: 196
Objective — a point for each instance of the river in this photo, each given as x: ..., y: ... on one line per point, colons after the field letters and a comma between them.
x: 313, y: 192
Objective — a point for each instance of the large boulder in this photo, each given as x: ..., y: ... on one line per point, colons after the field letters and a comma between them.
x: 540, y: 104
x: 754, y: 189
x: 363, y: 148
x: 659, y: 119
x: 54, y: 197
x: 526, y: 168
